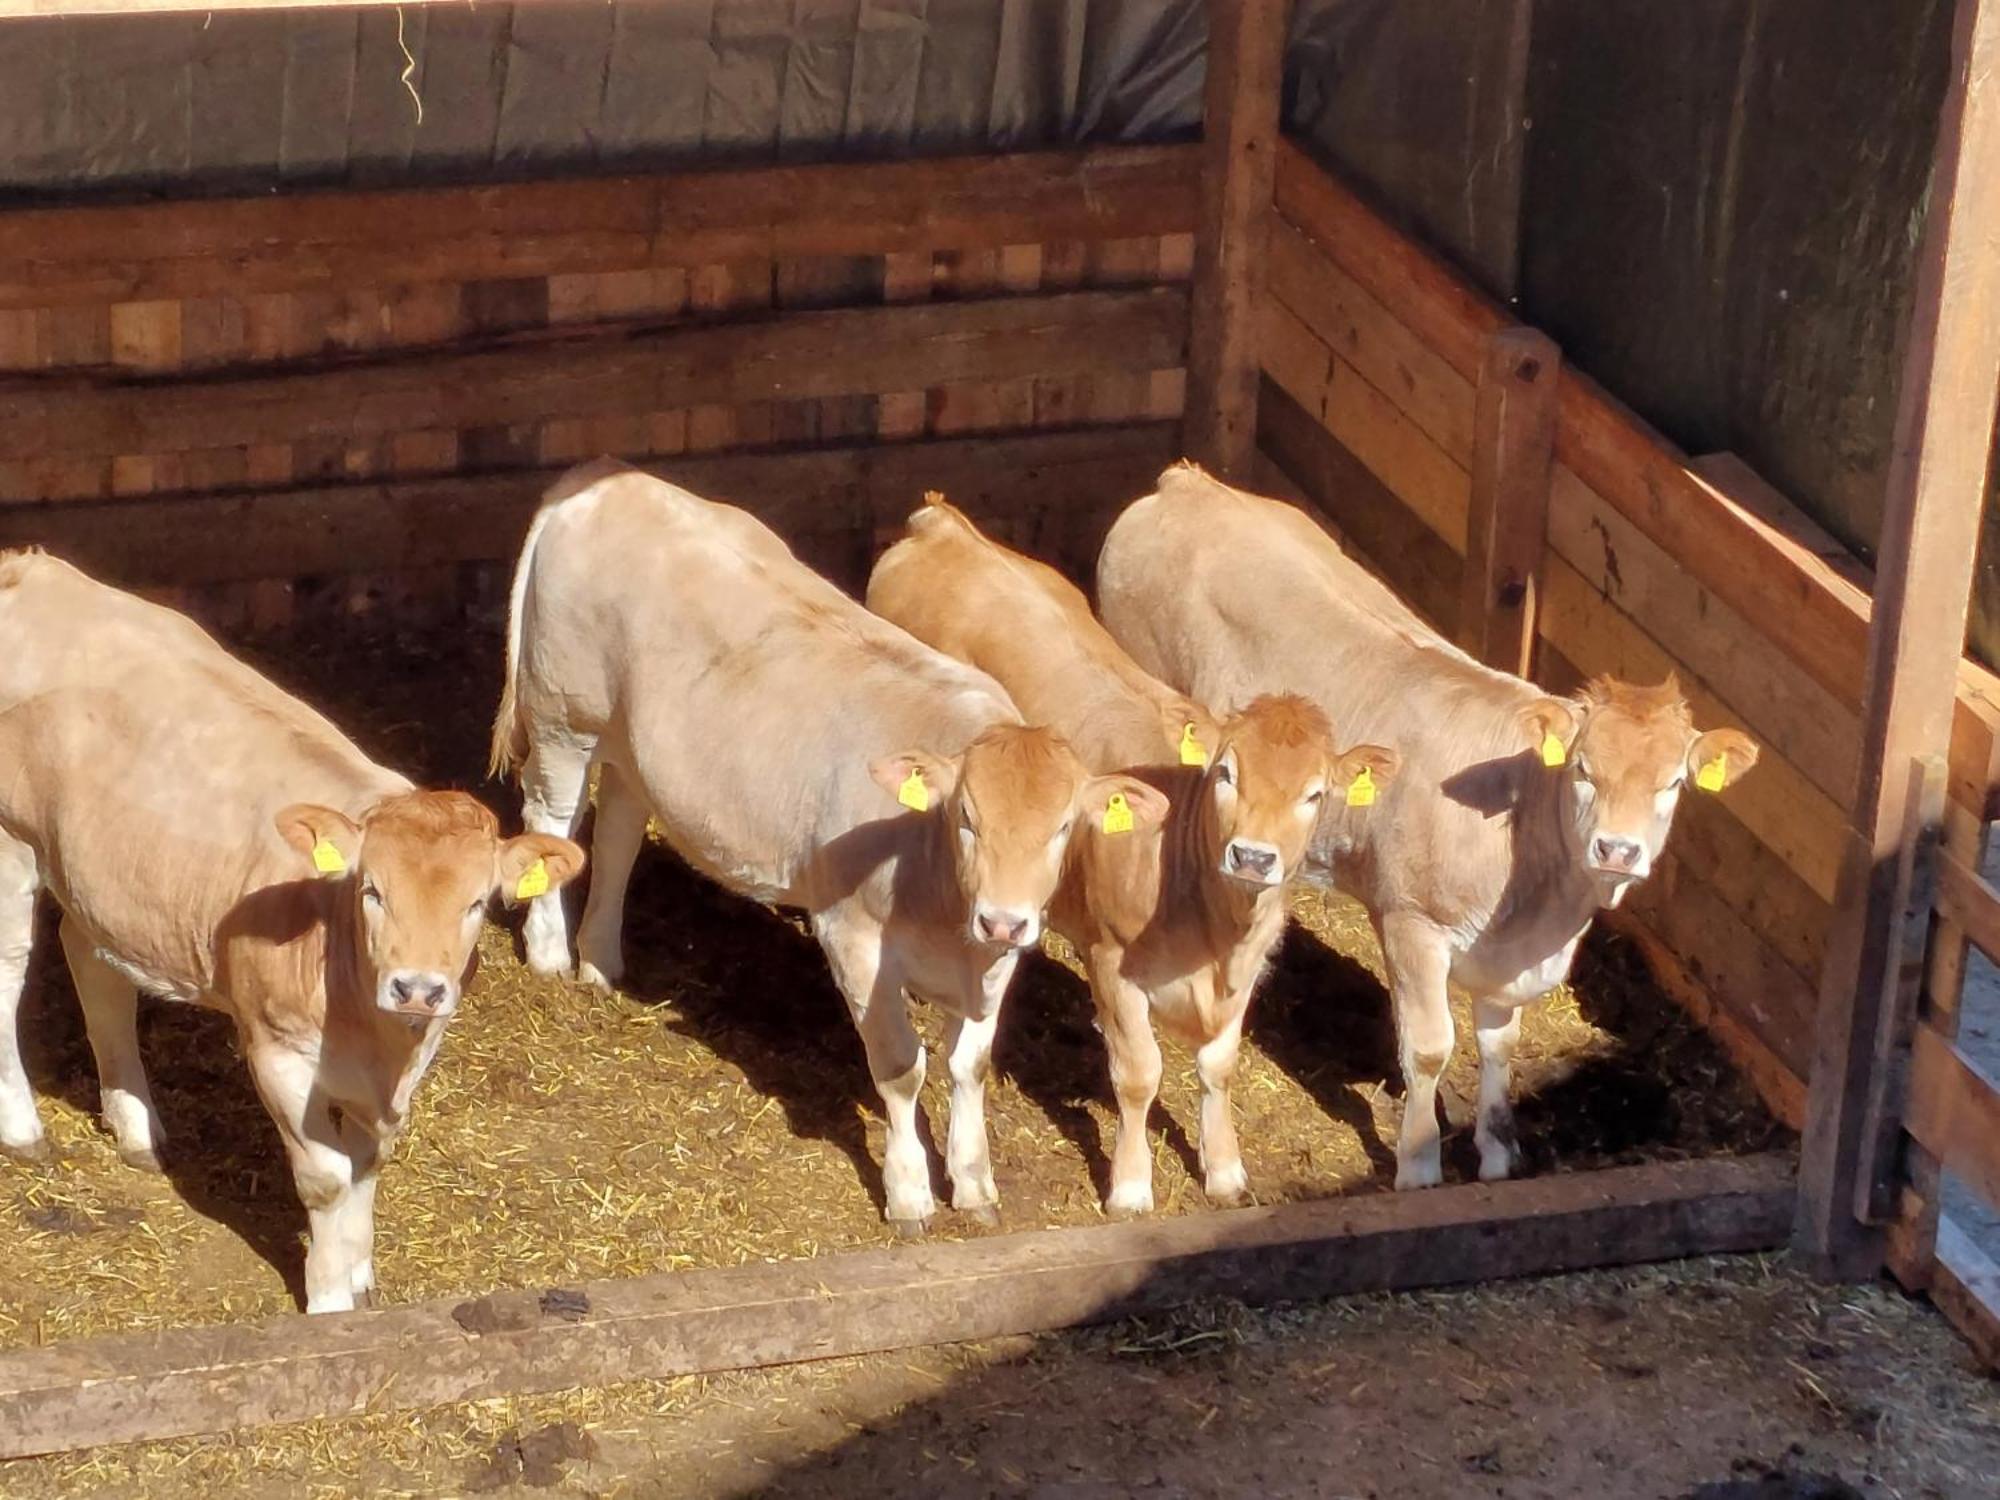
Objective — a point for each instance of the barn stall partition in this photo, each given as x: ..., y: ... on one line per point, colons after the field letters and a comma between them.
x: 340, y: 401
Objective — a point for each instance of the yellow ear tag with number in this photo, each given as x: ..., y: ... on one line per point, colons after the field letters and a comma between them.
x: 913, y: 794
x: 1553, y: 753
x: 326, y: 859
x: 534, y: 883
x: 1361, y: 790
x: 1193, y: 753
x: 1712, y: 775
x: 1117, y: 814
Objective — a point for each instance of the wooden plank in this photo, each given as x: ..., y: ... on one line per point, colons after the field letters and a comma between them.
x: 1967, y: 1291
x: 142, y: 1386
x: 1244, y: 79
x: 1367, y: 423
x: 1443, y: 309
x: 1970, y: 903
x: 1357, y: 327
x: 1930, y: 539
x: 1975, y: 727
x: 330, y: 239
x: 798, y: 355
x: 1508, y: 519
x: 403, y: 524
x: 1954, y: 1113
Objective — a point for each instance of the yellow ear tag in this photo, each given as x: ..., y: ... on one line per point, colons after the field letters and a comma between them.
x: 1712, y: 775
x: 1117, y: 814
x: 534, y: 883
x: 913, y: 794
x: 1361, y: 790
x: 1553, y: 753
x: 1192, y: 751
x: 327, y: 860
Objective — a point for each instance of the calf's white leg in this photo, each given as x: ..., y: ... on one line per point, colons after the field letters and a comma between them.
x: 356, y: 1227
x: 111, y: 1017
x: 616, y: 838
x: 20, y: 1127
x: 873, y: 987
x: 554, y: 781
x: 1418, y: 957
x: 1499, y: 1030
x: 1125, y: 1018
x: 1223, y: 1177
x: 322, y: 1171
x: 968, y: 1158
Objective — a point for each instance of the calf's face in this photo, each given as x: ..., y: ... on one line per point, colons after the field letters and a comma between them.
x: 420, y: 869
x: 1627, y: 752
x: 1011, y: 801
x: 1271, y: 777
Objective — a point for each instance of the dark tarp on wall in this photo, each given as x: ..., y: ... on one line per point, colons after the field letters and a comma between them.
x: 256, y: 101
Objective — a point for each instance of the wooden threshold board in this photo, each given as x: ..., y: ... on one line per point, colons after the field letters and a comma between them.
x: 132, y: 1387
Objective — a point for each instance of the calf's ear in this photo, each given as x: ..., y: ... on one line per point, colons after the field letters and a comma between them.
x: 917, y: 779
x: 1552, y: 728
x: 1380, y: 762
x: 1146, y: 803
x: 329, y: 840
x: 1716, y: 759
x: 534, y: 864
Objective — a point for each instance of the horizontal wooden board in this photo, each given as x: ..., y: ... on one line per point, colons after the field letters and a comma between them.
x: 606, y: 372
x: 1367, y: 423
x: 142, y: 1386
x: 352, y: 528
x: 1953, y: 1112
x: 1359, y: 329
x: 1442, y: 308
x: 1969, y: 902
x: 335, y: 240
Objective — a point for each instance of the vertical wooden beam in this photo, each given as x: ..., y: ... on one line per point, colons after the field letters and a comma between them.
x: 1930, y: 536
x: 1246, y: 64
x: 1513, y: 448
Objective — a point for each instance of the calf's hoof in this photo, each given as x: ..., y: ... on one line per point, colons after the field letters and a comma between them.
x: 145, y: 1158
x: 1228, y: 1188
x: 1419, y: 1175
x: 603, y: 978
x: 909, y: 1229
x: 985, y: 1215
x: 36, y: 1150
x: 1129, y: 1201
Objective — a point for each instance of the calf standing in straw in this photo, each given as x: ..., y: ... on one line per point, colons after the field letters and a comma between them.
x: 798, y: 750
x: 1517, y: 815
x: 1175, y: 918
x: 210, y: 839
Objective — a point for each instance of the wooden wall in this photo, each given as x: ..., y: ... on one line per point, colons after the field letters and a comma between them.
x: 374, y: 385
x: 1655, y: 561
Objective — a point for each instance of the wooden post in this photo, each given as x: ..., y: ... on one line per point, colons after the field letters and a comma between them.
x: 1513, y: 447
x: 1246, y: 63
x: 1930, y: 536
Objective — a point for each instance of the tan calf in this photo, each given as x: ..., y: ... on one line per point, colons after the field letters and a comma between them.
x: 798, y: 750
x: 1175, y: 918
x: 1516, y: 816
x: 955, y: 588
x: 153, y: 785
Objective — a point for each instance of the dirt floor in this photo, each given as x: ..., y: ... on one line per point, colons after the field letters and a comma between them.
x: 719, y: 1109
x: 1718, y: 1380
